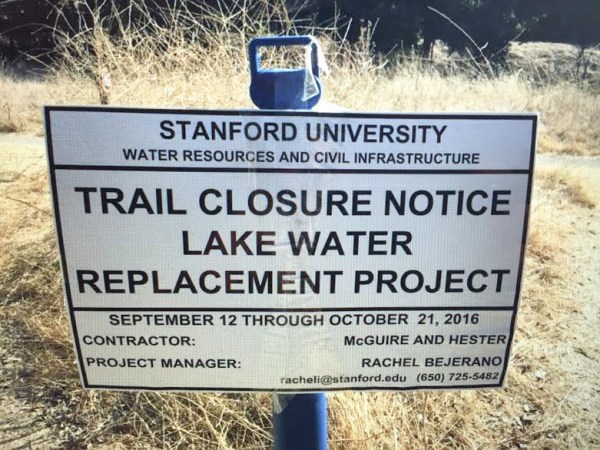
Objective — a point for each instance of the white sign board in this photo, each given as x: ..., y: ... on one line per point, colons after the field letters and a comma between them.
x: 290, y: 251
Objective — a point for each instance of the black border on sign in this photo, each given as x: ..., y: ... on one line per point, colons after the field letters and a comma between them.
x: 61, y: 247
x: 293, y: 113
x: 523, y: 247
x: 296, y: 310
x: 325, y: 389
x: 53, y: 167
x: 268, y: 170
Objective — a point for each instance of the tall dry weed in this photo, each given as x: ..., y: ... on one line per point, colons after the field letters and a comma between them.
x: 191, y: 60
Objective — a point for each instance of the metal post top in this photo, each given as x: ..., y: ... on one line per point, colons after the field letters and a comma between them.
x: 285, y: 88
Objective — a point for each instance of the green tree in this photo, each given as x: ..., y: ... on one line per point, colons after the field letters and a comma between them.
x: 396, y: 23
x: 488, y: 25
x: 574, y: 21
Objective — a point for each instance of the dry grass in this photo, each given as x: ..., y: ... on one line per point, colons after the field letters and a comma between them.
x: 569, y: 116
x: 526, y: 413
x: 568, y: 184
x: 179, y: 69
x: 200, y: 62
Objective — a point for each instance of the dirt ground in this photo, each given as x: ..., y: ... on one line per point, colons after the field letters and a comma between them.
x: 22, y: 424
x: 581, y: 355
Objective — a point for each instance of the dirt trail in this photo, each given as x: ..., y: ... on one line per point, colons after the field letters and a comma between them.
x: 581, y: 355
x: 587, y: 167
x: 22, y: 152
x: 21, y: 420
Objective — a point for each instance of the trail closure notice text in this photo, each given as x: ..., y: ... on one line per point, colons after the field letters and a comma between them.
x: 290, y: 251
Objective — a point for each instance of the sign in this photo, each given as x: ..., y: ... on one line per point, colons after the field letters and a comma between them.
x: 290, y: 251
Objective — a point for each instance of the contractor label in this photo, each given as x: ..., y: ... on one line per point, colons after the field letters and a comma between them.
x: 290, y: 251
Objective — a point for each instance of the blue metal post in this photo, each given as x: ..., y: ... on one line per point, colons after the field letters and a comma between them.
x: 299, y: 420
x: 302, y: 423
